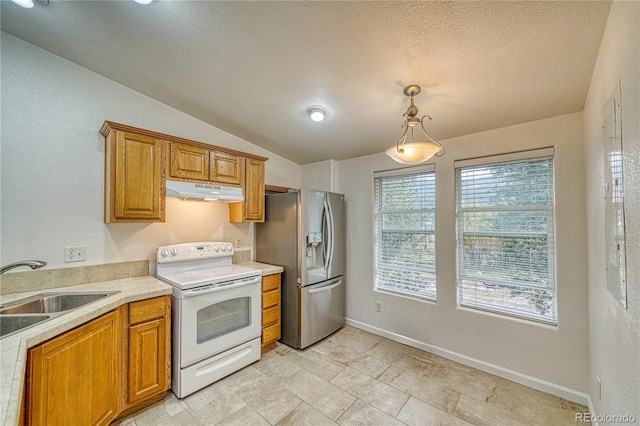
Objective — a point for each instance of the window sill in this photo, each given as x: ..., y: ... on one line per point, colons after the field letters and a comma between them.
x: 547, y: 326
x: 406, y: 296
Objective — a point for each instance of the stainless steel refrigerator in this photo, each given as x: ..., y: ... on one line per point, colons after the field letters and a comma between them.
x: 304, y: 232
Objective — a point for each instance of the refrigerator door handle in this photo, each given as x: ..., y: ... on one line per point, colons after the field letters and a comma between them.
x: 328, y: 246
x: 332, y: 231
x: 325, y: 288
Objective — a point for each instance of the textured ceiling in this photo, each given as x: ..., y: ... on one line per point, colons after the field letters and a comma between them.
x: 252, y: 68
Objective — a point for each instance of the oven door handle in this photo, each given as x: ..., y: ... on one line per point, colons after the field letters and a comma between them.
x: 195, y: 292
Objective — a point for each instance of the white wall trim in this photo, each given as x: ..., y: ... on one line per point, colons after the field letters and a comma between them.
x: 523, y: 379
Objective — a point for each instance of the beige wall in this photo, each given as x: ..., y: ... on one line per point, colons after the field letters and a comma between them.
x: 320, y: 175
x: 52, y: 164
x: 614, y: 332
x: 550, y: 358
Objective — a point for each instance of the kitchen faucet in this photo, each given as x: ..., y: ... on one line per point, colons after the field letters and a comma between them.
x: 33, y: 264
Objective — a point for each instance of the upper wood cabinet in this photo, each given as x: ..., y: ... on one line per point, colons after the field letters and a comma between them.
x: 252, y: 208
x: 138, y: 162
x: 134, y: 184
x: 188, y: 162
x: 226, y: 168
x: 191, y: 162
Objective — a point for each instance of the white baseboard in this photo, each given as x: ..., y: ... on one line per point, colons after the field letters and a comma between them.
x: 514, y: 376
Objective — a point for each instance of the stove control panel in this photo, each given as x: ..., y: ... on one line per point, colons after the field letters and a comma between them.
x: 190, y: 251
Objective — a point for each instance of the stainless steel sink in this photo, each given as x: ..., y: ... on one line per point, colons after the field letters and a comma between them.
x: 23, y: 313
x: 10, y: 324
x: 51, y: 303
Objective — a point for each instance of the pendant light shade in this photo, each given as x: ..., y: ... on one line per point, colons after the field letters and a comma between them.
x: 24, y: 3
x: 413, y: 152
x: 407, y: 150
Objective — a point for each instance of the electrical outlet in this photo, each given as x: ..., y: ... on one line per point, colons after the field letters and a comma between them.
x: 238, y: 241
x: 378, y: 306
x: 75, y: 254
x: 599, y: 388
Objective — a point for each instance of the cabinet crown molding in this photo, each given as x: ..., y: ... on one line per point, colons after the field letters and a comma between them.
x: 107, y: 126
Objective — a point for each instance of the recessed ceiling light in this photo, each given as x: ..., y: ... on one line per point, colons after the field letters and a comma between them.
x: 317, y: 113
x: 24, y: 3
x: 143, y: 1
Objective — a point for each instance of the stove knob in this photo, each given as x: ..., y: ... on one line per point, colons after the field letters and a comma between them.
x: 215, y: 247
x: 164, y: 253
x: 223, y: 247
x: 229, y: 247
x: 174, y: 252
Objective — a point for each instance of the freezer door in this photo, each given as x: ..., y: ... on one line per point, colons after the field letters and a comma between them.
x: 322, y: 310
x: 313, y: 221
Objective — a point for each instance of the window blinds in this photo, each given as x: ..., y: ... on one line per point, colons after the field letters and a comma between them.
x: 405, y: 233
x: 505, y: 237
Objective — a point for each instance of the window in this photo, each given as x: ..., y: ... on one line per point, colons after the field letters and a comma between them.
x: 405, y: 258
x: 505, y: 235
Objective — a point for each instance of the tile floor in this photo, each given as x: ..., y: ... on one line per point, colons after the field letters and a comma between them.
x: 357, y: 378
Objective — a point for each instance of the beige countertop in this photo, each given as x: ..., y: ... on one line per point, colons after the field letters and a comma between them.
x: 265, y: 268
x: 13, y: 349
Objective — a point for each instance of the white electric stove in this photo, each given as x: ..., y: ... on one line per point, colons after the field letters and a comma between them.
x: 216, y: 313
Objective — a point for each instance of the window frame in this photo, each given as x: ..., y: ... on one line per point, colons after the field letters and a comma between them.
x: 421, y: 169
x: 551, y: 241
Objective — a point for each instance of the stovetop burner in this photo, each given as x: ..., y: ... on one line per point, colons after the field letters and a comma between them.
x: 191, y: 265
x: 197, y: 277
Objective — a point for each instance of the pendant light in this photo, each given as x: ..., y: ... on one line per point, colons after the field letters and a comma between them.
x: 24, y: 3
x: 406, y: 150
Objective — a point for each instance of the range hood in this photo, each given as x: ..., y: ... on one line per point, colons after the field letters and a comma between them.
x: 202, y: 191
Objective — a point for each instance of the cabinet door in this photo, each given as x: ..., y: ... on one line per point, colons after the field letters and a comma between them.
x: 189, y: 162
x: 73, y: 378
x: 148, y: 359
x: 225, y: 168
x: 252, y: 208
x: 137, y: 191
x: 254, y: 190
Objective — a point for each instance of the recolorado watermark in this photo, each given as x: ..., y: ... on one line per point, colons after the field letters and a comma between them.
x: 604, y: 418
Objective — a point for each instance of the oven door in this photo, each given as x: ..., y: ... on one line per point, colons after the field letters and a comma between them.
x: 213, y: 320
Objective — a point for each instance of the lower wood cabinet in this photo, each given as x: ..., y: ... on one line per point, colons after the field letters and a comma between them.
x: 149, y: 349
x: 270, y: 310
x: 103, y: 369
x: 73, y: 379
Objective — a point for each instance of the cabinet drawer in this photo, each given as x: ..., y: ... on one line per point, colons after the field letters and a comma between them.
x: 270, y: 299
x: 270, y: 282
x: 146, y: 310
x: 270, y: 316
x: 270, y: 334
